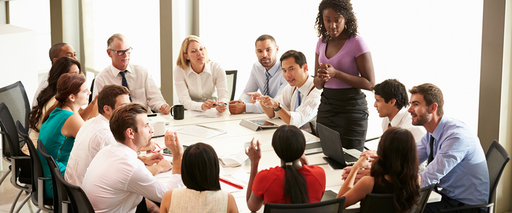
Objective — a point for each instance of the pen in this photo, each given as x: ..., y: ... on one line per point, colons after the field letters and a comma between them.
x: 220, y: 104
x: 231, y: 183
x: 157, y: 136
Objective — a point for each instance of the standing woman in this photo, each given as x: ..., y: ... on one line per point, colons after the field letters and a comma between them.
x: 59, y: 128
x: 200, y: 83
x: 395, y: 171
x: 343, y: 66
x: 291, y: 182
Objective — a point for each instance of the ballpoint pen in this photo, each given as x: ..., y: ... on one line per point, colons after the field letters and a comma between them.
x: 231, y: 183
x: 220, y: 104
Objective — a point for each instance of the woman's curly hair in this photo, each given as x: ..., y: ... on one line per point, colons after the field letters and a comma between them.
x: 342, y: 7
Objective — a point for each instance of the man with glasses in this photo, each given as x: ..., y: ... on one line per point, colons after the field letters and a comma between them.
x: 136, y: 78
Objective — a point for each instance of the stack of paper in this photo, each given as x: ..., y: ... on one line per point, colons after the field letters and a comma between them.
x: 201, y: 131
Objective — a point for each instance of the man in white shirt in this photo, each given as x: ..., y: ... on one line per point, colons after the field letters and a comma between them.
x: 266, y: 76
x: 136, y: 78
x: 95, y: 134
x: 298, y: 103
x: 116, y: 181
x: 56, y: 51
x: 391, y: 101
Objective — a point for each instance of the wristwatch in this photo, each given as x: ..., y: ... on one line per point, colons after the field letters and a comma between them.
x: 278, y: 107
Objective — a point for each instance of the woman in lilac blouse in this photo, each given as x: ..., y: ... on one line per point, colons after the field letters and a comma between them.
x: 343, y: 66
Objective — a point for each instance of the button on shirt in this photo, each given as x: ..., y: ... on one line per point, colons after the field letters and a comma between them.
x: 142, y: 86
x: 459, y: 164
x: 93, y: 136
x: 257, y: 82
x: 309, y: 105
x: 403, y: 120
x: 194, y: 89
x: 116, y: 181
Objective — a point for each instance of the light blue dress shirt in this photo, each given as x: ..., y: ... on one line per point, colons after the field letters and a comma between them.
x: 459, y: 164
x: 257, y: 82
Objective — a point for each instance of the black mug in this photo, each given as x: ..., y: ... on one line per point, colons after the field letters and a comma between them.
x: 178, y: 112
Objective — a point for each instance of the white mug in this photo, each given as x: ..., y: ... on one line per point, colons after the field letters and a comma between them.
x: 159, y: 128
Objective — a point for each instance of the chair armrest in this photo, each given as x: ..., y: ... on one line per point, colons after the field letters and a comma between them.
x: 65, y: 206
x: 40, y: 188
x: 468, y: 207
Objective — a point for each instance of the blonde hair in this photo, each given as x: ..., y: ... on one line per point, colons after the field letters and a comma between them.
x: 182, y: 61
x: 117, y: 36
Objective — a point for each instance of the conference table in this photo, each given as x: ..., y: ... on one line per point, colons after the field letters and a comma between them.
x: 232, y: 141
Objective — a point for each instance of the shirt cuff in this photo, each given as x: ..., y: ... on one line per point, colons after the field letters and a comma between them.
x: 253, y: 108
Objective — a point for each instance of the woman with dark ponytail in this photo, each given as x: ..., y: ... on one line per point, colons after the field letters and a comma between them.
x: 60, y: 127
x: 291, y: 182
x: 395, y: 171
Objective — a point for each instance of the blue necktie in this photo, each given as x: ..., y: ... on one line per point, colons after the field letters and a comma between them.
x: 124, y: 82
x: 265, y: 89
x: 297, y: 104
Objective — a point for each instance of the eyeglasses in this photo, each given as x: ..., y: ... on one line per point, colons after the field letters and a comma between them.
x: 122, y: 52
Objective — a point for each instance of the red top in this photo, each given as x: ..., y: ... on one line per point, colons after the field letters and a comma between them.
x: 269, y: 183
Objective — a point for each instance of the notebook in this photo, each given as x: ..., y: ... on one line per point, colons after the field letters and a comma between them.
x: 258, y: 124
x: 336, y: 156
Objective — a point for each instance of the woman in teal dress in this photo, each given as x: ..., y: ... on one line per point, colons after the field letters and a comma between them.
x: 60, y: 127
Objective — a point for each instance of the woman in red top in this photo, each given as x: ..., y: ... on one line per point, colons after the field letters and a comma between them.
x: 291, y: 182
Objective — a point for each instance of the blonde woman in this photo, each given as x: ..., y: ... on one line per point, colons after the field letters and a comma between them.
x: 200, y: 83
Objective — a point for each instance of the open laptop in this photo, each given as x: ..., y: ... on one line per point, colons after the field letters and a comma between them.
x: 258, y: 124
x: 336, y: 156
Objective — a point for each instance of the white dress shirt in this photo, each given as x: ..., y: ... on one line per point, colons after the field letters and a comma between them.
x: 256, y: 82
x: 194, y: 89
x: 403, y: 120
x: 142, y: 86
x: 116, y: 181
x: 90, y: 139
x: 310, y: 100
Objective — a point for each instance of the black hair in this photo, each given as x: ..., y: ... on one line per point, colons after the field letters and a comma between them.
x: 392, y: 88
x: 200, y: 168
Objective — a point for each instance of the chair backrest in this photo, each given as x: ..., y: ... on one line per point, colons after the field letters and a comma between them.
x: 10, y: 140
x: 77, y: 197
x: 37, y: 167
x: 423, y: 199
x: 378, y: 203
x: 58, y: 191
x: 15, y: 97
x: 92, y: 90
x: 231, y: 78
x: 497, y: 158
x: 335, y: 205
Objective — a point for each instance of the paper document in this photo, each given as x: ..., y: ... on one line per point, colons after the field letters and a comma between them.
x: 205, y: 114
x: 234, y: 160
x: 201, y: 131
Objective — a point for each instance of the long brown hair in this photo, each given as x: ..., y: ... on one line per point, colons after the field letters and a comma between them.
x: 399, y: 160
x: 68, y: 84
x: 60, y: 67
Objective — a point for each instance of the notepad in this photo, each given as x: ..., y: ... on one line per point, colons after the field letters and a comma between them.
x: 201, y: 131
x: 234, y: 160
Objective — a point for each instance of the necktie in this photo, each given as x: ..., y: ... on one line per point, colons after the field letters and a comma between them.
x: 265, y: 89
x: 297, y: 104
x: 431, y: 155
x: 389, y: 125
x: 124, y: 82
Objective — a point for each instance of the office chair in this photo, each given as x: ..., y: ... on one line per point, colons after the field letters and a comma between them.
x: 38, y: 178
x: 497, y: 158
x: 77, y: 197
x: 59, y: 193
x: 383, y: 203
x: 335, y: 205
x: 15, y: 97
x: 424, y: 195
x: 231, y: 78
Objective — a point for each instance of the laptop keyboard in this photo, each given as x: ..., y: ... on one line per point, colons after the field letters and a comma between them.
x: 350, y: 158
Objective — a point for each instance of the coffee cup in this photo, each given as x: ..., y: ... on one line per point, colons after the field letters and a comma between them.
x: 159, y: 128
x: 178, y: 112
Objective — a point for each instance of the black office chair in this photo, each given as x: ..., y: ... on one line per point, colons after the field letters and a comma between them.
x: 20, y: 163
x: 15, y: 97
x: 335, y: 205
x: 231, y: 78
x: 92, y: 89
x: 422, y: 202
x: 59, y: 192
x: 77, y: 197
x: 38, y: 178
x: 497, y: 158
x: 383, y: 203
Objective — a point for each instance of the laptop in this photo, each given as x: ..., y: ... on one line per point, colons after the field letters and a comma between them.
x: 258, y: 124
x: 336, y: 156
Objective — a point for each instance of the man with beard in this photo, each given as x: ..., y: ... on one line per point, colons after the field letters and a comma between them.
x: 266, y: 76
x: 456, y: 160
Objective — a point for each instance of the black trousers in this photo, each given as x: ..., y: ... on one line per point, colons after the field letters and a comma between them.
x: 345, y: 111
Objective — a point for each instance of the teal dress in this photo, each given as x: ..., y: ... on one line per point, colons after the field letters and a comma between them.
x: 57, y: 145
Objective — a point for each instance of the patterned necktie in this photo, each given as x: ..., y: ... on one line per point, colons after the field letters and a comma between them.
x: 297, y: 104
x: 431, y: 155
x: 265, y: 89
x: 124, y: 82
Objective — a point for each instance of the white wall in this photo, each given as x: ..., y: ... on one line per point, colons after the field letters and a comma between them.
x: 415, y: 42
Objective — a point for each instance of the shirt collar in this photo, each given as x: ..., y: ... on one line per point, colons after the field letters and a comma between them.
x: 273, y: 70
x: 116, y: 71
x: 126, y: 149
x: 306, y: 87
x: 206, y: 69
x: 439, y: 128
x: 399, y: 117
